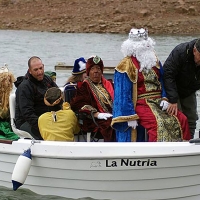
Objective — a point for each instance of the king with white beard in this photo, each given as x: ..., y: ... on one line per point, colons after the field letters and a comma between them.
x: 140, y: 99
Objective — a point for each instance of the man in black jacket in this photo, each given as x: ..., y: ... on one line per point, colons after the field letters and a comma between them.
x: 182, y: 80
x: 30, y: 97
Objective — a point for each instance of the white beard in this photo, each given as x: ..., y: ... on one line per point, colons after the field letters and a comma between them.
x: 142, y: 50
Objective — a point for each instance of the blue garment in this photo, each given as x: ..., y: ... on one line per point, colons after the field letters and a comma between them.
x: 125, y: 85
x: 123, y: 106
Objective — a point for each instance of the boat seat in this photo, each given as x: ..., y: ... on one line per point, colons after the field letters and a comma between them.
x: 69, y: 92
x: 92, y: 134
x: 20, y: 133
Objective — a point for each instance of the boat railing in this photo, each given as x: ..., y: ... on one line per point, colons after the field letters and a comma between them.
x: 109, y: 68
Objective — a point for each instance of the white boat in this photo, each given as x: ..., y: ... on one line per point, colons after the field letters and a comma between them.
x: 115, y: 171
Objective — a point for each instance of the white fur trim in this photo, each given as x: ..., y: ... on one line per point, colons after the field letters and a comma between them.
x: 82, y: 65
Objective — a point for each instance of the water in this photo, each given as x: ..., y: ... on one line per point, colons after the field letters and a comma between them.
x: 18, y: 46
x: 24, y: 194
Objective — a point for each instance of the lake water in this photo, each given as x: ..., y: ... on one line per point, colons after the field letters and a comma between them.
x: 24, y: 194
x: 18, y: 46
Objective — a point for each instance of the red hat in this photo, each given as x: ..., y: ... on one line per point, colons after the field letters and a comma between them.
x: 94, y: 60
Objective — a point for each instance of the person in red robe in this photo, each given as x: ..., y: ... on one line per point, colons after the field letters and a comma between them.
x: 140, y: 96
x: 95, y: 94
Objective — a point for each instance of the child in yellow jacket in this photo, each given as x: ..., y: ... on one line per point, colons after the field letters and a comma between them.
x: 60, y: 123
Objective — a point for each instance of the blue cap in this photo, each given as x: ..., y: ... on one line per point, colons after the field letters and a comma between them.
x: 79, y: 66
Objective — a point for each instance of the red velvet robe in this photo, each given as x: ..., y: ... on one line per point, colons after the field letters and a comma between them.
x: 160, y: 126
x: 86, y: 96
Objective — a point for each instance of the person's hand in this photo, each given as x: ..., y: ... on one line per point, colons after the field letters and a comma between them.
x: 133, y: 124
x: 172, y: 109
x: 104, y: 116
x: 164, y: 104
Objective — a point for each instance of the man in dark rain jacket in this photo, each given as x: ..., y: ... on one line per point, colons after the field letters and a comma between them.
x: 30, y: 97
x: 182, y: 80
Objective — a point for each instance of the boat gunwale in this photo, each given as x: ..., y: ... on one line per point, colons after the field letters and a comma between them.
x: 43, y: 150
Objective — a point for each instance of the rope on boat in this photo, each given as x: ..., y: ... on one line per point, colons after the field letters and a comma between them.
x: 33, y: 141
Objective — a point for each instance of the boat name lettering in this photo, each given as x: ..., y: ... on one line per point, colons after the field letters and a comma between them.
x: 131, y: 163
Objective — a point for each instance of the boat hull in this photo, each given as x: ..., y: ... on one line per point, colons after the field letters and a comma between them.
x: 116, y: 171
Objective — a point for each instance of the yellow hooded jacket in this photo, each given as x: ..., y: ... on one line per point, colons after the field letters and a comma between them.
x: 63, y: 129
